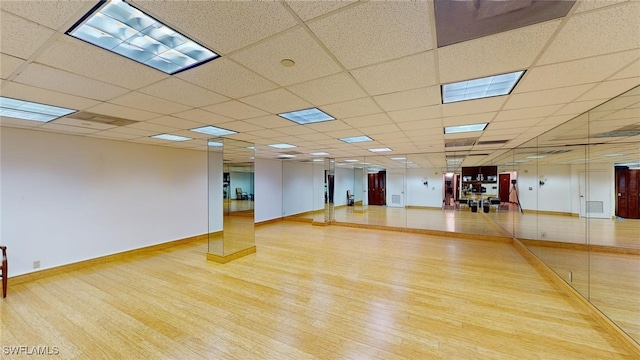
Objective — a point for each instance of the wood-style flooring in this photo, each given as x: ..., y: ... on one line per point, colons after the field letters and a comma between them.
x: 310, y: 292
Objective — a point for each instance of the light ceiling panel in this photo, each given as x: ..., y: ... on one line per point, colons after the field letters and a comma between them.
x: 422, y: 113
x: 590, y: 34
x: 146, y: 102
x: 265, y: 134
x: 122, y: 112
x: 314, y: 137
x: 235, y: 110
x: 82, y: 123
x: 66, y: 129
x: 223, y: 26
x: 228, y: 78
x: 8, y: 65
x: 240, y: 126
x: 334, y: 125
x: 407, y: 73
x: 135, y: 133
x: 183, y: 92
x: 296, y: 130
x: 270, y: 121
x: 352, y: 108
x: 68, y: 83
x: 473, y: 106
x: 113, y: 135
x: 277, y: 101
x: 19, y: 123
x: 469, y: 119
x: 577, y: 108
x: 631, y: 70
x: 527, y: 113
x: 311, y: 60
x: 175, y: 122
x: 380, y: 129
x: 157, y: 129
x: 546, y: 97
x: 575, y: 72
x: 43, y: 96
x: 409, y: 99
x: 202, y: 116
x: 609, y: 89
x: 495, y: 54
x: 369, y: 120
x: 328, y: 90
x: 518, y: 125
x: 433, y: 126
x: 307, y: 10
x: 52, y: 14
x: 356, y: 38
x: 19, y: 37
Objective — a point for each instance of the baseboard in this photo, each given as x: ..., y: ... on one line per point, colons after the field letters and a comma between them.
x: 581, y: 247
x: 36, y: 275
x: 624, y: 340
x: 424, y: 207
x: 267, y: 222
x: 223, y: 259
x: 556, y: 213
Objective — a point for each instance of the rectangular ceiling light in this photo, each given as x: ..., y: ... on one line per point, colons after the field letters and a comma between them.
x: 465, y: 128
x: 171, y: 137
x: 356, y: 139
x: 307, y: 116
x: 212, y: 130
x: 214, y: 144
x: 322, y: 153
x: 380, y: 150
x: 27, y: 110
x: 282, y: 146
x: 480, y: 88
x: 125, y: 30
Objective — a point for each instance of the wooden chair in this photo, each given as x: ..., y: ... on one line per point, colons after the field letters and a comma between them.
x: 4, y: 273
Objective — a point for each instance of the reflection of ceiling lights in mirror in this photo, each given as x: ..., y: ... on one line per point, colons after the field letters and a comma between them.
x: 356, y: 139
x: 286, y: 156
x: 319, y: 153
x: 613, y: 155
x: 398, y: 158
x: 212, y: 130
x: 465, y: 128
x: 127, y: 31
x: 307, y: 116
x: 480, y: 88
x: 214, y: 144
x: 351, y: 160
x: 380, y: 150
x: 282, y: 146
x: 536, y: 157
x: 171, y: 137
x: 26, y: 110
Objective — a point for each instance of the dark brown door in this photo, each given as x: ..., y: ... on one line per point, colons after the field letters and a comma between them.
x: 377, y: 185
x: 628, y: 193
x: 505, y: 185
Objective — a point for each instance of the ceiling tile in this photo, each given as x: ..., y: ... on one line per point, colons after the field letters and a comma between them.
x: 53, y: 14
x: 157, y: 129
x: 81, y: 123
x: 468, y: 119
x: 149, y: 103
x: 122, y: 112
x: 409, y: 99
x: 9, y: 64
x: 223, y: 26
x: 314, y: 137
x: 270, y: 121
x: 175, y: 122
x: 354, y: 35
x: 527, y: 113
x: 66, y: 129
x: 135, y: 133
x: 380, y: 129
x: 334, y: 125
x: 588, y: 5
x: 631, y: 70
x: 610, y: 89
x: 277, y: 101
x: 235, y: 110
x: 19, y: 37
x: 369, y: 120
x: 493, y: 55
x: 311, y: 60
x: 183, y: 92
x: 427, y: 112
x: 26, y: 92
x: 79, y: 57
x: 577, y: 108
x: 328, y: 90
x: 546, y: 97
x: 228, y: 78
x: 202, y: 116
x: 591, y: 34
x: 513, y: 124
x: 307, y: 10
x: 68, y: 83
x: 11, y: 122
x: 407, y: 73
x: 575, y: 72
x: 296, y: 130
x: 240, y: 126
x: 351, y: 108
x: 114, y: 135
x: 434, y: 125
x: 473, y: 106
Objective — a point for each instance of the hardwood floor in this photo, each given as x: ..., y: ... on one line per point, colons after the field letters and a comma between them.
x: 309, y: 292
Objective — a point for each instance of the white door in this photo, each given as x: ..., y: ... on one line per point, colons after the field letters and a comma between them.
x: 395, y: 188
x: 595, y: 194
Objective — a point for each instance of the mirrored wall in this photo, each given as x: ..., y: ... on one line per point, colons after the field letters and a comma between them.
x: 231, y: 199
x: 572, y: 196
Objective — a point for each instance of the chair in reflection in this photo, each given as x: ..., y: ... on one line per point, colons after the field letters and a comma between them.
x: 240, y: 195
x: 3, y: 272
x: 494, y: 203
x: 462, y: 202
x: 350, y: 198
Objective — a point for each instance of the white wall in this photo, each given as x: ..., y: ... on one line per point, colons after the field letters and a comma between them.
x: 68, y: 198
x: 268, y: 187
x: 555, y: 195
x: 297, y: 187
x: 243, y: 180
x: 419, y: 194
x: 344, y: 181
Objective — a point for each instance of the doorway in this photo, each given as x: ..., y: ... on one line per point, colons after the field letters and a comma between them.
x: 628, y: 193
x: 504, y: 187
x: 377, y: 188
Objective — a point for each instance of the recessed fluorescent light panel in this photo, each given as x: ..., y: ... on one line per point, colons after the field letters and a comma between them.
x: 398, y: 158
x: 27, y: 110
x: 480, y: 88
x: 171, y: 137
x: 212, y: 130
x: 465, y: 128
x: 356, y: 139
x: 282, y: 146
x: 380, y: 150
x: 215, y: 144
x: 535, y: 157
x: 307, y: 116
x: 127, y: 31
x: 322, y: 153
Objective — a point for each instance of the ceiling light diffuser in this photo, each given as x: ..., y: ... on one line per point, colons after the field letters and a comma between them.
x: 127, y: 31
x: 171, y: 137
x: 322, y: 153
x: 307, y: 116
x: 465, y: 128
x: 356, y: 139
x: 380, y: 150
x: 480, y: 88
x: 215, y: 144
x: 282, y: 146
x: 214, y: 131
x: 26, y: 110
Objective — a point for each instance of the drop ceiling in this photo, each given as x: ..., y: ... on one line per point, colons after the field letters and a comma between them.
x: 374, y: 66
